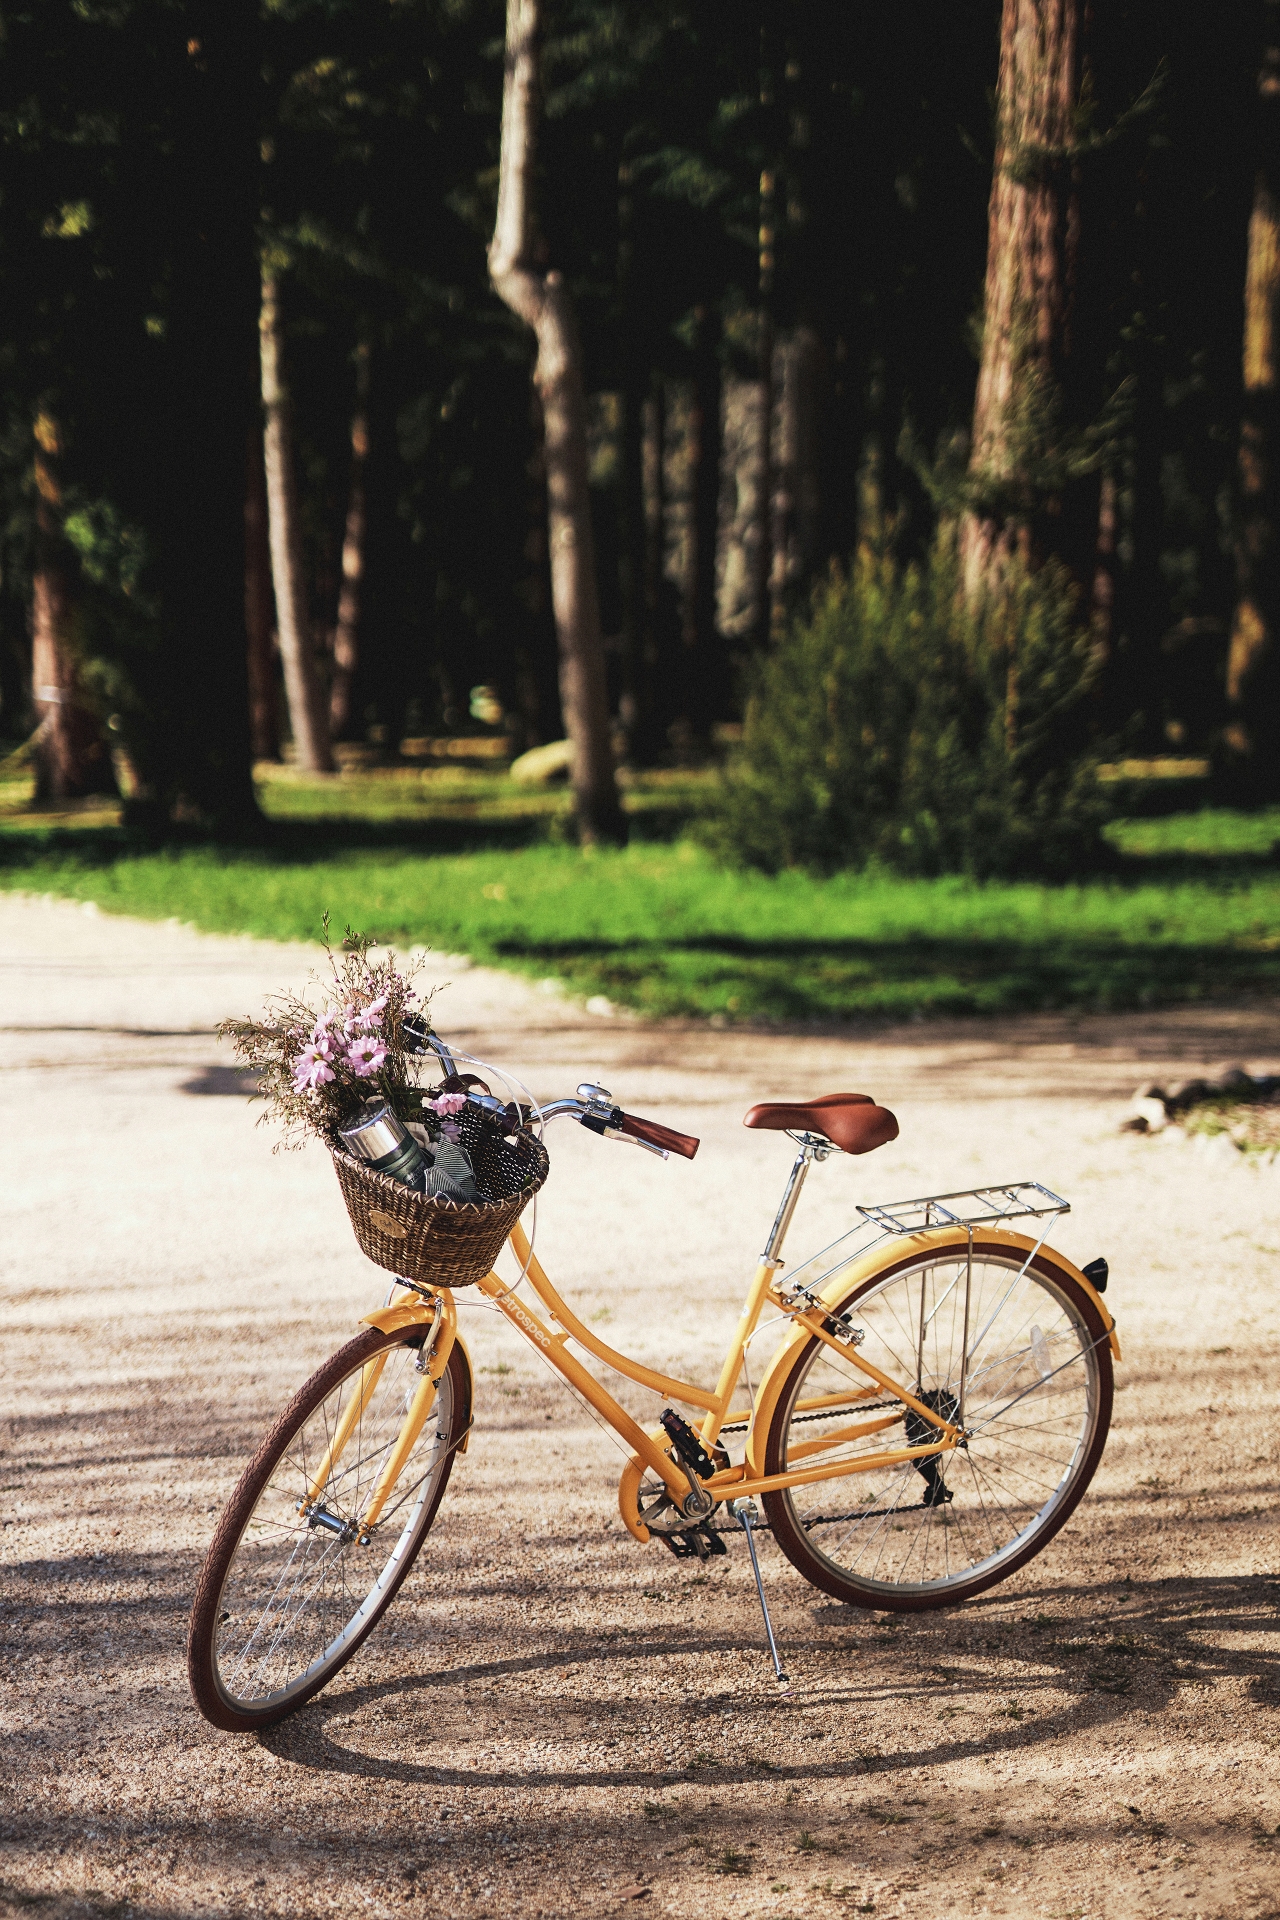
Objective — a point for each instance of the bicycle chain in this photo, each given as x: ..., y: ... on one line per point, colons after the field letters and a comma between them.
x: 876, y: 1406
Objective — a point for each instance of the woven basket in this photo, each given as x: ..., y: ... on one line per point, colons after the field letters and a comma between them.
x: 444, y: 1243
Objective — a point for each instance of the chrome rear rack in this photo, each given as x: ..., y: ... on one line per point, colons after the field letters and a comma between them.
x: 973, y: 1207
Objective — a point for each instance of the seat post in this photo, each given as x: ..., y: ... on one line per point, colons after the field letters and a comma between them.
x: 782, y: 1219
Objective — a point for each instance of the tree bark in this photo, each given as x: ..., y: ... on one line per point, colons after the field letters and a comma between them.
x: 762, y: 554
x: 307, y: 712
x: 259, y: 606
x: 1253, y: 658
x: 198, y: 765
x: 698, y: 631
x: 1032, y: 237
x: 542, y: 300
x: 71, y: 758
x: 796, y: 500
x: 346, y: 632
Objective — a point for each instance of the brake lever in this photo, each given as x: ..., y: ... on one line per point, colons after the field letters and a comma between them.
x: 629, y: 1140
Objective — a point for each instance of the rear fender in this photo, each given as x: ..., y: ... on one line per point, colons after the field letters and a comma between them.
x: 841, y: 1285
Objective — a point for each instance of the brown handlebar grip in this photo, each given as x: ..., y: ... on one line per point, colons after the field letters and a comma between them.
x: 658, y: 1136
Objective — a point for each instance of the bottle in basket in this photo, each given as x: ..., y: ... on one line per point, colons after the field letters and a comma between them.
x: 379, y: 1139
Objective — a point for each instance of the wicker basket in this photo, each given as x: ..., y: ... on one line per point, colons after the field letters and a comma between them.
x: 444, y: 1243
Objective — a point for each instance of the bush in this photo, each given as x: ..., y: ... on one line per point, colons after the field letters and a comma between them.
x: 896, y: 725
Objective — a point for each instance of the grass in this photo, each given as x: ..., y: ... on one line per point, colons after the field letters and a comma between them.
x: 468, y: 863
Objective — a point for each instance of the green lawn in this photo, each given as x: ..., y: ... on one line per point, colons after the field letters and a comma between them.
x: 466, y: 863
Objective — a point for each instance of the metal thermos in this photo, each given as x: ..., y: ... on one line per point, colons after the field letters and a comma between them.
x: 382, y: 1142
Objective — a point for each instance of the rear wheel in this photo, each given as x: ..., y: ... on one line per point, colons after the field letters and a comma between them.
x: 288, y: 1591
x: 1037, y: 1405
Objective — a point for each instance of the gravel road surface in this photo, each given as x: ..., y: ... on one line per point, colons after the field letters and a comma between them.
x: 553, y: 1720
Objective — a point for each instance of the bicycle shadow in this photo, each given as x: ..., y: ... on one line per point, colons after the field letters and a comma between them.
x: 1107, y: 1654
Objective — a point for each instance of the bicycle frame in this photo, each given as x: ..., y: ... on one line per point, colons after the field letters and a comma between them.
x: 652, y: 1450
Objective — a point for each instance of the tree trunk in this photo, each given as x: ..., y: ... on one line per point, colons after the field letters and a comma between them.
x: 762, y: 552
x: 1252, y: 737
x: 703, y: 666
x: 346, y: 632
x: 259, y: 606
x: 659, y: 623
x: 635, y: 705
x: 307, y: 712
x: 796, y: 502
x: 71, y: 758
x: 1032, y: 235
x: 199, y: 766
x: 542, y: 300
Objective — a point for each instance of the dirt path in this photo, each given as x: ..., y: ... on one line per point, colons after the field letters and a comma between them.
x: 555, y: 1721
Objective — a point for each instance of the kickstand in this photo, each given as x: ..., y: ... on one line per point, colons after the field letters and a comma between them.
x: 746, y: 1513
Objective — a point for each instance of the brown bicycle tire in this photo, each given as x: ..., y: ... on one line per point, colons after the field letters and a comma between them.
x: 790, y: 1535
x: 202, y: 1629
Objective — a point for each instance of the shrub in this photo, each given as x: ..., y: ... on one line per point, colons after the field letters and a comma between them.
x: 896, y: 725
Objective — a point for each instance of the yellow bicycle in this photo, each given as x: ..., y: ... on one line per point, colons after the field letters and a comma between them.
x: 936, y: 1405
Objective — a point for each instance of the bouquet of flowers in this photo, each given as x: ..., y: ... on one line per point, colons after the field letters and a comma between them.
x: 321, y: 1060
x: 433, y: 1180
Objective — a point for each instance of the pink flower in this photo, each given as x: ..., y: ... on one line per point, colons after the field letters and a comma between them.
x: 310, y: 1070
x: 365, y: 1056
x: 356, y: 1021
x: 446, y: 1103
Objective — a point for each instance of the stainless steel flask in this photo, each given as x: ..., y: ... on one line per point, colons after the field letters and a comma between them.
x: 379, y: 1139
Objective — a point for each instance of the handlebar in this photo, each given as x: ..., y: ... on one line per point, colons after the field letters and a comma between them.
x: 649, y: 1133
x: 593, y: 1107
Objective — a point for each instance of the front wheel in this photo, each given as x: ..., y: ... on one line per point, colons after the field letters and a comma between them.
x: 1037, y: 1405
x: 290, y: 1587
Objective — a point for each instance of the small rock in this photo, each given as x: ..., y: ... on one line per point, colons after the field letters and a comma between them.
x: 1152, y: 1113
x: 543, y: 764
x: 550, y: 985
x: 598, y: 1004
x: 1136, y: 1123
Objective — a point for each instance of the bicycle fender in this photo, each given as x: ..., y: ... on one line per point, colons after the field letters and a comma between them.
x: 937, y: 1240
x: 416, y: 1312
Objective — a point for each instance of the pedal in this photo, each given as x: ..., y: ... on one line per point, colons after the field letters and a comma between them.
x: 686, y: 1445
x: 695, y: 1543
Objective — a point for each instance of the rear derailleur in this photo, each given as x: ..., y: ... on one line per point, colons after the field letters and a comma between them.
x: 920, y: 1433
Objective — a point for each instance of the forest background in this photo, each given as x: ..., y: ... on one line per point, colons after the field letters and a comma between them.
x: 901, y: 382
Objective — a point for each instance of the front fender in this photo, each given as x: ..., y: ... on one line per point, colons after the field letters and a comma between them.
x: 937, y: 1240
x: 412, y: 1310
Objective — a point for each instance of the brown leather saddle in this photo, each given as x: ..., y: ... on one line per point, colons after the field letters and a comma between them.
x: 851, y: 1121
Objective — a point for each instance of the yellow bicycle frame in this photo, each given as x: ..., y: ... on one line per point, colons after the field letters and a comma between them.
x: 652, y: 1451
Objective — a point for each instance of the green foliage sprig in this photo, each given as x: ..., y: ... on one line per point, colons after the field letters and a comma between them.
x: 321, y: 1056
